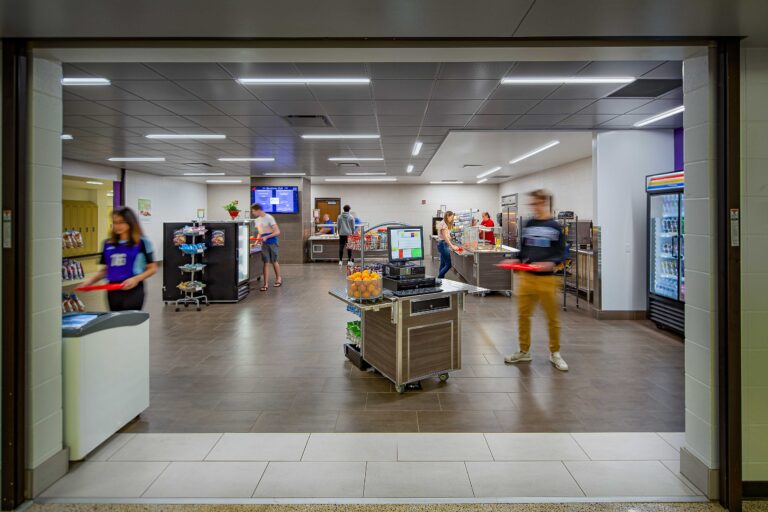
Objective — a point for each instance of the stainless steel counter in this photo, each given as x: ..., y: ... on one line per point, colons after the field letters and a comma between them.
x: 478, y: 267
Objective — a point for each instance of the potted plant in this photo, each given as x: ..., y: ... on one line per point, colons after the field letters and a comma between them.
x: 233, y: 209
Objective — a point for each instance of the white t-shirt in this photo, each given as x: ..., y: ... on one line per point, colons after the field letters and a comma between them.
x: 441, y: 226
x: 264, y: 224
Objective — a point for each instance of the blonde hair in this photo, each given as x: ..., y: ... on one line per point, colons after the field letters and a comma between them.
x: 448, y: 223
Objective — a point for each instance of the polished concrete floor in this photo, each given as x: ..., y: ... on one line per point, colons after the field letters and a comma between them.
x: 274, y: 363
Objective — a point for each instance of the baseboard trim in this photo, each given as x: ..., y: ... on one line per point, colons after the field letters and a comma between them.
x: 48, y: 472
x: 699, y: 474
x: 619, y: 315
x: 755, y: 489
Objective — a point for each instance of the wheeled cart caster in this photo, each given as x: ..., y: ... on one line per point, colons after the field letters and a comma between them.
x: 443, y: 377
x: 399, y: 388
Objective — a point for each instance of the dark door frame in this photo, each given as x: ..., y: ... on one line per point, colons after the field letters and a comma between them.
x: 14, y: 271
x: 14, y: 265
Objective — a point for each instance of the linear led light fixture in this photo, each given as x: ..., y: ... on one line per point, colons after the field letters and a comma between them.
x: 95, y: 182
x: 137, y: 159
x: 204, y: 174
x: 489, y: 172
x: 482, y: 181
x: 223, y: 181
x: 453, y: 182
x: 181, y: 136
x: 282, y: 80
x: 568, y: 80
x: 659, y: 117
x: 409, y: 169
x: 66, y: 136
x: 365, y: 173
x: 321, y: 136
x: 359, y: 179
x: 85, y: 81
x: 417, y: 148
x: 255, y: 159
x: 285, y: 174
x: 110, y: 194
x: 535, y: 151
x: 353, y: 159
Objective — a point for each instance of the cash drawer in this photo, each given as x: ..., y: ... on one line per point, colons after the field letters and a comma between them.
x: 424, y: 306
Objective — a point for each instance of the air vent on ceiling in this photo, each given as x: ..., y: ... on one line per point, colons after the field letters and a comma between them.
x: 348, y: 164
x: 197, y: 164
x: 647, y: 88
x: 308, y: 121
x: 471, y: 165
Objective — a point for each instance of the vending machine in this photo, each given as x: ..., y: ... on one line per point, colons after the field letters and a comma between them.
x: 666, y: 255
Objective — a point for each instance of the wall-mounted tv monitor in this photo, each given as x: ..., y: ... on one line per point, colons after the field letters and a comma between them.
x: 276, y: 199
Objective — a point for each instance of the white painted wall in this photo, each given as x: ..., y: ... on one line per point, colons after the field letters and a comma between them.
x: 381, y: 203
x: 570, y: 184
x: 173, y: 200
x: 89, y: 170
x: 754, y: 247
x: 622, y: 160
x: 219, y: 195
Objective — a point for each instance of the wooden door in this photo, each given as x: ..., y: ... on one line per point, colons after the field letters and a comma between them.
x: 331, y: 206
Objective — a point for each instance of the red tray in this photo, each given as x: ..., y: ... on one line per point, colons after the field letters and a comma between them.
x: 108, y: 287
x: 525, y: 267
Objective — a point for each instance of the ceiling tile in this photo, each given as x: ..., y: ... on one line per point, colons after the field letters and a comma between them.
x: 291, y: 92
x: 190, y: 71
x: 399, y: 120
x: 136, y: 108
x: 559, y: 106
x: 491, y: 122
x: 672, y: 69
x: 398, y: 139
x: 348, y: 108
x: 613, y: 106
x: 463, y: 89
x: 538, y: 121
x: 274, y: 133
x: 113, y: 132
x: 434, y: 130
x: 401, y: 89
x: 189, y: 108
x: 507, y: 106
x: 446, y: 120
x: 584, y: 121
x: 285, y: 108
x: 583, y: 91
x: 354, y: 122
x: 657, y: 106
x: 546, y: 69
x: 453, y: 106
x: 86, y: 108
x: 216, y: 89
x: 474, y: 70
x: 260, y: 69
x: 235, y: 131
x: 399, y: 130
x: 262, y: 121
x: 401, y: 107
x: 523, y: 92
x: 336, y: 92
x: 119, y: 71
x: 154, y: 89
x: 333, y: 70
x: 410, y: 70
x: 618, y: 68
x: 169, y: 122
x: 214, y: 121
x: 241, y: 107
x: 627, y: 121
x: 99, y: 93
x: 674, y: 94
x: 124, y: 121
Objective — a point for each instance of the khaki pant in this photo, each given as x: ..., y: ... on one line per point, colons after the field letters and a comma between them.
x: 533, y: 289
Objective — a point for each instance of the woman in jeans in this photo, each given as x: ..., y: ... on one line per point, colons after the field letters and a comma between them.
x: 444, y: 244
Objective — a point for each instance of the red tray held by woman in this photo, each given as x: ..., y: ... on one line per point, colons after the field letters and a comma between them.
x: 97, y: 287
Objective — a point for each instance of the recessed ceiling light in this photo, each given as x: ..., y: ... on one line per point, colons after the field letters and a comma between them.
x: 482, y: 181
x: 95, y: 182
x: 416, y: 148
x: 659, y: 117
x: 66, y: 136
x: 137, y: 159
x: 284, y: 80
x: 365, y: 173
x: 354, y: 159
x: 256, y: 159
x: 568, y: 80
x: 340, y: 136
x: 535, y: 151
x: 179, y: 136
x: 451, y: 182
x: 285, y: 174
x: 110, y: 194
x: 223, y: 181
x: 204, y: 174
x: 358, y: 179
x: 85, y: 81
x: 409, y: 168
x: 489, y: 172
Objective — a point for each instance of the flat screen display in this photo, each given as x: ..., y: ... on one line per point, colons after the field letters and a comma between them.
x: 406, y: 243
x: 276, y: 199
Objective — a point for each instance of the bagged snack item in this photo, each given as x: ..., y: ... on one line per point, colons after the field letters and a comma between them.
x: 179, y: 238
x: 78, y: 303
x: 77, y: 239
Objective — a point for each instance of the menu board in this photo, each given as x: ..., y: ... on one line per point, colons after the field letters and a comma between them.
x: 276, y: 199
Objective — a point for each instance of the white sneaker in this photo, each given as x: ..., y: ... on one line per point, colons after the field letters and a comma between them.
x: 518, y: 357
x: 340, y: 263
x: 350, y: 263
x: 557, y: 360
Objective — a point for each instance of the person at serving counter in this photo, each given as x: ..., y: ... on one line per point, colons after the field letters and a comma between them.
x: 543, y: 247
x: 488, y: 223
x: 445, y: 244
x: 269, y: 232
x: 346, y: 225
x: 326, y: 222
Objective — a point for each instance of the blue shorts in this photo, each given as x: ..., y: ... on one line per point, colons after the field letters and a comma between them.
x: 269, y: 253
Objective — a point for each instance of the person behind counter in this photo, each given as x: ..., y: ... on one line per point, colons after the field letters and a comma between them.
x: 326, y: 222
x: 488, y: 223
x: 543, y: 246
x: 128, y: 259
x: 269, y: 232
x: 346, y: 226
x: 445, y: 244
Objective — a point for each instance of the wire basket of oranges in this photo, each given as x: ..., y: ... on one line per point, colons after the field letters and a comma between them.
x: 364, y: 285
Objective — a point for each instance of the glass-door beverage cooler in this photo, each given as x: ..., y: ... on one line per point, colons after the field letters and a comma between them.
x: 666, y: 255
